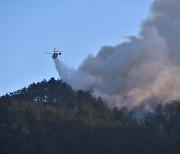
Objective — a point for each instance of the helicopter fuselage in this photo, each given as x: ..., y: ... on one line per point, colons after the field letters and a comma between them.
x: 55, y: 55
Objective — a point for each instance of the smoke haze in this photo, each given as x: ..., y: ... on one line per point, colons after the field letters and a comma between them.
x: 142, y: 69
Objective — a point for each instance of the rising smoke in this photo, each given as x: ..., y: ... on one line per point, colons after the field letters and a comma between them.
x: 133, y: 72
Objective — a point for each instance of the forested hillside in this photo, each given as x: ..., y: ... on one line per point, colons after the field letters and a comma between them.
x: 50, y: 118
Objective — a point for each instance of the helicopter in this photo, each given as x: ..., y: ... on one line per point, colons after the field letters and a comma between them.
x: 55, y: 53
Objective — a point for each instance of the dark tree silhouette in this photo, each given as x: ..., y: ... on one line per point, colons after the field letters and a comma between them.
x: 49, y: 117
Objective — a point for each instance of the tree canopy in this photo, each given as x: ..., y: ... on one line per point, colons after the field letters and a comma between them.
x: 50, y: 117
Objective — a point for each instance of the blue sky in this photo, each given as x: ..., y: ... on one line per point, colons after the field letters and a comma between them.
x: 30, y: 28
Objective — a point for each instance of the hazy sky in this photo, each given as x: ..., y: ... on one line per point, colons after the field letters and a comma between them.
x: 30, y: 28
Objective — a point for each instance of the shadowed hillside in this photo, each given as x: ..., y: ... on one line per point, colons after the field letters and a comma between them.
x: 49, y: 117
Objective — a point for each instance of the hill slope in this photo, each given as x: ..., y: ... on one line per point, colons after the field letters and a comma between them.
x: 49, y: 117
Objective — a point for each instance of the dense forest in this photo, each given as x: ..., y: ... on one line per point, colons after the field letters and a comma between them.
x: 50, y: 118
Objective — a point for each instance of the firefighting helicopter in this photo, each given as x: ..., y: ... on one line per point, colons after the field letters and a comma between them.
x: 55, y: 53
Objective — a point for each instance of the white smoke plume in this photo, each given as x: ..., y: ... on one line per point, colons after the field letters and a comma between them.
x: 144, y: 67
